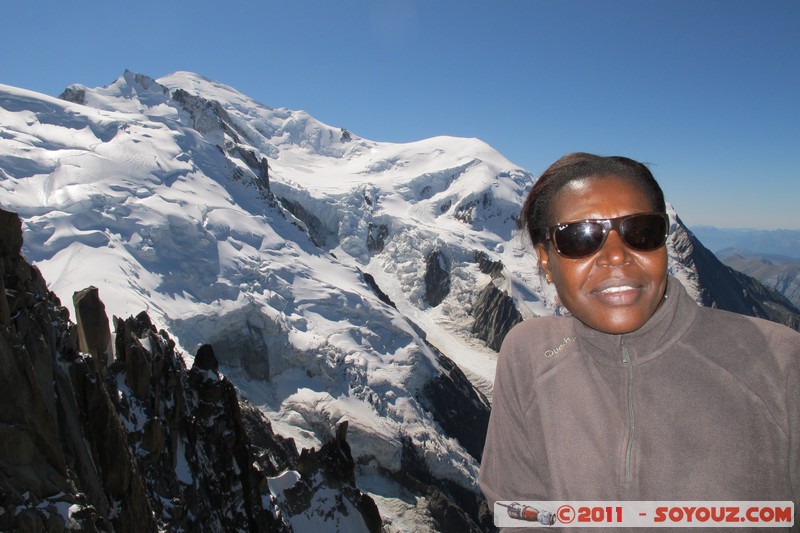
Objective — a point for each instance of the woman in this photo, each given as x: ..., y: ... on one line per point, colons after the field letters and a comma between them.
x: 641, y: 394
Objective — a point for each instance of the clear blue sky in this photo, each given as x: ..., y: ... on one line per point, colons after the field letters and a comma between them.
x: 705, y: 91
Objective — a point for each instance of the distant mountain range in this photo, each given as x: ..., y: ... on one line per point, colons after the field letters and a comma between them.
x: 778, y: 242
x: 770, y: 256
x: 342, y: 282
x: 775, y: 271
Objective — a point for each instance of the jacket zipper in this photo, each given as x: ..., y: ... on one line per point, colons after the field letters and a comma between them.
x: 626, y: 360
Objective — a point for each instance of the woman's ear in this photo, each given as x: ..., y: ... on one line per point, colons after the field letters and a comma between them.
x: 543, y: 260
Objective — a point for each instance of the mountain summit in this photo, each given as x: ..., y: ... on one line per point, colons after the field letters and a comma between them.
x: 338, y: 279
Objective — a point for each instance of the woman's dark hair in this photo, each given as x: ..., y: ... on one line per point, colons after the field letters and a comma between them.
x: 535, y: 216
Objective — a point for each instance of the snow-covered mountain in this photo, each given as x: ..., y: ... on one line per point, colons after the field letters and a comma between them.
x: 338, y: 278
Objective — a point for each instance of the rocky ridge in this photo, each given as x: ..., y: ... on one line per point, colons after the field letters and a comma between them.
x: 122, y: 436
x: 718, y: 285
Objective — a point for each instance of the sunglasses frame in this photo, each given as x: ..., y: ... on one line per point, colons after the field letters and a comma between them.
x: 608, y: 225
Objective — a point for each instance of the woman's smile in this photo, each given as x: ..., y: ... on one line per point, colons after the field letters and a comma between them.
x: 613, y: 295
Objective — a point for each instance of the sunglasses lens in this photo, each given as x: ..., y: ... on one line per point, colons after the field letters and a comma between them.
x: 578, y: 239
x: 644, y: 232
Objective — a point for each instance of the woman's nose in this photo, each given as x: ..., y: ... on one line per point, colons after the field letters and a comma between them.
x: 614, y: 251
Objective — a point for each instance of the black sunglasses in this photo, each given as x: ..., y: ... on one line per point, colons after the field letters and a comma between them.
x: 641, y: 231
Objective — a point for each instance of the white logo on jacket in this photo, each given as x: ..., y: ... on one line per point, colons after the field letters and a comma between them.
x: 553, y: 351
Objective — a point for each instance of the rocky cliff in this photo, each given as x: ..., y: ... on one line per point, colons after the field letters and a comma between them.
x: 115, y: 433
x: 65, y: 459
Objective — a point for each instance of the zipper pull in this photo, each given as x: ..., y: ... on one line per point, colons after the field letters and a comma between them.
x: 625, y: 357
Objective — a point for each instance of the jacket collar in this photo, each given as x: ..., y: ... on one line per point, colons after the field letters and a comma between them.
x: 667, y: 325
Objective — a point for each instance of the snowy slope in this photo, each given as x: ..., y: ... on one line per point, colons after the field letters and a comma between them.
x: 255, y: 228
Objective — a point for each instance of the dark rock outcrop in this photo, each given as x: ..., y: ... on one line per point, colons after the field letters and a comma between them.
x: 467, y: 212
x: 382, y: 296
x: 260, y: 167
x: 487, y: 266
x: 332, y: 466
x: 448, y: 515
x: 74, y: 94
x: 461, y: 411
x: 453, y: 508
x: 437, y: 278
x: 463, y: 414
x: 94, y: 335
x: 320, y: 235
x: 207, y: 117
x: 495, y: 314
x: 376, y: 237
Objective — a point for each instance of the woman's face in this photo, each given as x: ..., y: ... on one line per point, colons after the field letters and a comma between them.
x: 616, y: 289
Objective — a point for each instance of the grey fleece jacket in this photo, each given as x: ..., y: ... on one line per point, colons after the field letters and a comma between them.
x: 698, y: 404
